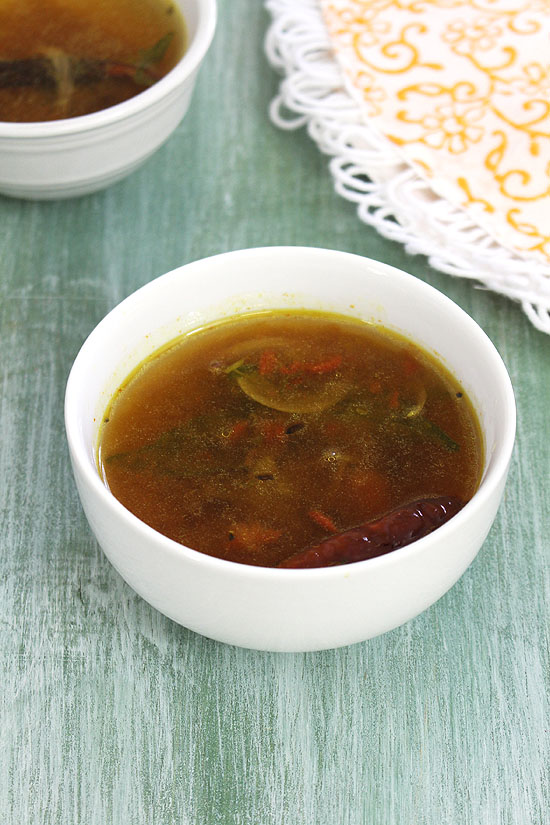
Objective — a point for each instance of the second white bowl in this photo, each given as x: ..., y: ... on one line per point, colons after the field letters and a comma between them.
x: 67, y: 158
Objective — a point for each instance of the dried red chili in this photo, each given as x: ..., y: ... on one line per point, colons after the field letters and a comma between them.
x: 376, y: 538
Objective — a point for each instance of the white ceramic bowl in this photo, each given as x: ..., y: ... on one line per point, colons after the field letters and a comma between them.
x: 66, y: 158
x: 275, y: 609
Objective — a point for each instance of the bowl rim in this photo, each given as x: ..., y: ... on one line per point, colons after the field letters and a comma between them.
x: 190, y: 60
x: 495, y: 473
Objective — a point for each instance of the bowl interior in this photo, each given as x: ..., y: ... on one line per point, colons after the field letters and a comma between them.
x: 258, y: 279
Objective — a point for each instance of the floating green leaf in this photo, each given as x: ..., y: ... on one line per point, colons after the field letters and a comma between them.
x: 149, y: 57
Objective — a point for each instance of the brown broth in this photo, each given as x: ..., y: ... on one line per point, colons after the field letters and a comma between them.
x: 116, y: 31
x: 371, y: 422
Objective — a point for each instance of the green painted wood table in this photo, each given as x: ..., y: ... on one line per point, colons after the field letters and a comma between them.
x: 113, y: 715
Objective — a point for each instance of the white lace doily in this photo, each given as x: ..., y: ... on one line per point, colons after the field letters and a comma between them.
x: 366, y: 168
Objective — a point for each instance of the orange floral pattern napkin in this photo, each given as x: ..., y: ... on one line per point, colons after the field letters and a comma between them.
x: 461, y: 88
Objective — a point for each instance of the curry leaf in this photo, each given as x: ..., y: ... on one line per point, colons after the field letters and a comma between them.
x: 431, y: 429
x: 148, y: 57
x: 154, y: 54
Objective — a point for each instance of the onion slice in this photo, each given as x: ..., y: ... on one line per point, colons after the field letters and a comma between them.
x: 292, y: 399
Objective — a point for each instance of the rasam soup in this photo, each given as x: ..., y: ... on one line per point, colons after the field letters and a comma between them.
x: 64, y: 58
x: 255, y: 438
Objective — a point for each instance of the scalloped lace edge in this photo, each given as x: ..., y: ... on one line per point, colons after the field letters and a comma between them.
x: 366, y: 169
